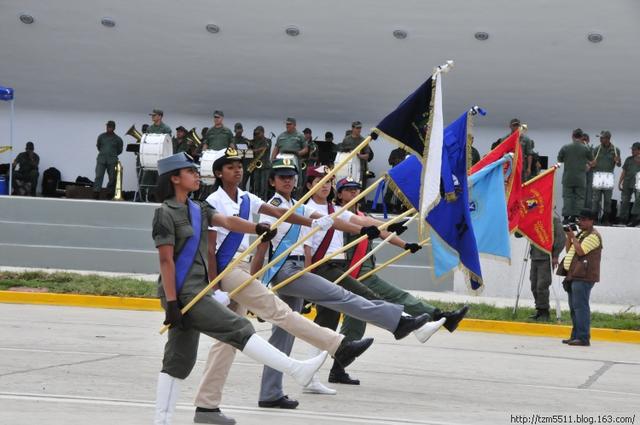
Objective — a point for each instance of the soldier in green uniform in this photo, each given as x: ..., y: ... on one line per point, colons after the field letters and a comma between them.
x: 158, y: 126
x: 261, y: 152
x: 606, y: 158
x: 350, y: 142
x: 218, y: 137
x: 242, y: 145
x: 148, y: 178
x: 109, y: 146
x: 576, y: 157
x: 313, y: 159
x: 182, y: 143
x: 540, y: 274
x: 25, y: 171
x: 292, y: 142
x: 475, y: 155
x: 627, y: 185
x: 527, y: 149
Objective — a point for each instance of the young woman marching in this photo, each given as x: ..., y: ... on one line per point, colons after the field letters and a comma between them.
x: 313, y: 287
x: 229, y: 200
x: 180, y: 235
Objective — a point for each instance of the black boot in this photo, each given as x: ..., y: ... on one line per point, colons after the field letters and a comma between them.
x: 542, y: 315
x: 348, y: 351
x: 337, y: 375
x: 453, y: 317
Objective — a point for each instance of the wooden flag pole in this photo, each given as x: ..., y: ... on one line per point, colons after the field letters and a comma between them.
x: 302, y: 240
x: 284, y: 216
x: 390, y: 261
x: 339, y: 251
x: 373, y: 251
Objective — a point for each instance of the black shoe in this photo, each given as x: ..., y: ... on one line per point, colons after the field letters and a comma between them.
x: 566, y: 341
x: 282, y: 403
x: 342, y: 377
x: 542, y: 315
x: 347, y: 352
x: 454, y: 318
x: 408, y: 324
x: 579, y: 342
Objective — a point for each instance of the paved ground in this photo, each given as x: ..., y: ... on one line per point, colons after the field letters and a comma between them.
x: 76, y: 366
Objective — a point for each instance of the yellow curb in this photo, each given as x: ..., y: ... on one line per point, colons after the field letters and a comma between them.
x: 472, y: 325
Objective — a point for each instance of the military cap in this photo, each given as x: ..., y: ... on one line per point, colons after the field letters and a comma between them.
x: 218, y: 113
x: 515, y: 121
x: 346, y: 183
x: 636, y: 145
x: 29, y: 146
x: 356, y: 124
x: 284, y: 167
x: 181, y: 128
x: 328, y: 135
x: 176, y: 162
x: 230, y: 155
x: 306, y: 131
x: 111, y: 124
x: 606, y: 134
x: 587, y: 213
x: 238, y: 126
x: 290, y: 120
x: 577, y: 132
x: 157, y: 112
x: 320, y: 171
x: 258, y: 128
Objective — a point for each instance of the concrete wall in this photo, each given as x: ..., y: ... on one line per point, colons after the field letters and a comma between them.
x: 619, y: 273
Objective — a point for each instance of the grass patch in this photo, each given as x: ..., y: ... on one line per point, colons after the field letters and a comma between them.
x: 73, y: 283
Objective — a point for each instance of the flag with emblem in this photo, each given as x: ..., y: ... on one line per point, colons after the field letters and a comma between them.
x: 536, y: 210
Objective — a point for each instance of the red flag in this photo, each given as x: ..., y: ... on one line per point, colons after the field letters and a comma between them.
x: 536, y: 210
x: 514, y: 184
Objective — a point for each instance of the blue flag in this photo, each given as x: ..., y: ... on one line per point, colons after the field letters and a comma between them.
x: 6, y: 93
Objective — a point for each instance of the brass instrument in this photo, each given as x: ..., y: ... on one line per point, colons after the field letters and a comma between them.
x: 118, y: 190
x: 256, y: 163
x: 134, y: 133
x: 523, y: 128
x: 192, y: 136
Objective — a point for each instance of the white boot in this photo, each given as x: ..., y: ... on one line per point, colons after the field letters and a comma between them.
x: 315, y: 386
x: 424, y: 333
x: 301, y: 371
x: 166, y: 398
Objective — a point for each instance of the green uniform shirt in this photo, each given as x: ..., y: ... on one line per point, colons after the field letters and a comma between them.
x: 159, y: 129
x: 630, y: 167
x: 290, y: 142
x: 263, y: 145
x: 171, y: 226
x: 575, y: 156
x: 475, y: 156
x: 184, y: 145
x: 240, y: 140
x: 26, y: 164
x: 526, y: 144
x: 218, y: 138
x: 605, y: 158
x: 109, y: 146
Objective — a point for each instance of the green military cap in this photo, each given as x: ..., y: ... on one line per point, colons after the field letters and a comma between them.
x: 606, y: 134
x: 218, y: 113
x: 111, y: 124
x: 238, y: 126
x: 515, y: 121
x: 636, y: 145
x: 258, y: 128
x: 306, y: 131
x: 29, y: 146
x: 284, y: 167
x: 356, y: 124
x: 181, y: 128
x: 175, y: 162
x: 157, y: 112
x: 290, y: 121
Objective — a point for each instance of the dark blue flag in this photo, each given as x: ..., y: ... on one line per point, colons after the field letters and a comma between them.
x: 6, y: 93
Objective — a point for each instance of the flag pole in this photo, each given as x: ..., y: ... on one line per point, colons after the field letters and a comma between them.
x: 555, y: 292
x: 339, y: 251
x: 523, y: 271
x: 373, y: 251
x: 279, y: 221
x: 302, y: 240
x: 390, y: 261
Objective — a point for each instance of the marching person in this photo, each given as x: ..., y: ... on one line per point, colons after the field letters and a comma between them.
x: 354, y: 329
x: 349, y: 143
x: 230, y: 200
x: 576, y: 157
x: 218, y: 137
x: 292, y: 142
x: 315, y: 288
x: 180, y: 235
x: 629, y: 184
x: 606, y: 158
x: 109, y: 146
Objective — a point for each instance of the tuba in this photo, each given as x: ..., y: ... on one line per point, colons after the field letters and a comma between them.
x: 134, y: 133
x: 118, y: 190
x: 193, y: 137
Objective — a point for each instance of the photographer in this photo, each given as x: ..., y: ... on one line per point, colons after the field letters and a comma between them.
x: 581, y: 268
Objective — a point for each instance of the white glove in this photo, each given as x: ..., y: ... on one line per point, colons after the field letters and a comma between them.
x: 324, y: 223
x: 222, y: 297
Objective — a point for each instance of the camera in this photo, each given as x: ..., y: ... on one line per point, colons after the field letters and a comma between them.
x: 570, y: 227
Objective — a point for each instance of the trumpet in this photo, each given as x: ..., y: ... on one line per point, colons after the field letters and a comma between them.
x: 118, y: 190
x: 134, y: 133
x: 192, y: 136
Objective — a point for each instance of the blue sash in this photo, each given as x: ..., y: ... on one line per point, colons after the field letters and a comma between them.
x: 190, y: 248
x: 231, y: 243
x: 288, y: 239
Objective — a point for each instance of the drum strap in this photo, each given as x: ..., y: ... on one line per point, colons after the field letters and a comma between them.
x: 231, y: 243
x: 288, y: 239
x: 326, y: 241
x: 188, y: 252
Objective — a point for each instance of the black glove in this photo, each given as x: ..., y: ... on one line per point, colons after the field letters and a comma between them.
x: 265, y: 229
x: 173, y: 315
x: 371, y: 232
x: 413, y: 247
x: 398, y: 227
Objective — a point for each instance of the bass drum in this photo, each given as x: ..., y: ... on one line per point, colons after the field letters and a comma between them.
x: 352, y: 170
x: 603, y: 181
x: 154, y: 147
x: 207, y: 159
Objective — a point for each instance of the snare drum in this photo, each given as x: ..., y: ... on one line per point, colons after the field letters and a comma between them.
x: 603, y: 181
x: 352, y: 170
x: 154, y: 147
x: 637, y: 181
x: 207, y: 159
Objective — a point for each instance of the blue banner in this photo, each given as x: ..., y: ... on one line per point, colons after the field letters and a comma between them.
x: 6, y: 93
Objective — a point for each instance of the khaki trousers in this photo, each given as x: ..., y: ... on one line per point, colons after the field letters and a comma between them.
x: 257, y: 298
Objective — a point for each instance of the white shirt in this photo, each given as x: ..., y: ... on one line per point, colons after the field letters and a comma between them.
x: 279, y: 201
x: 337, y: 241
x: 227, y: 206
